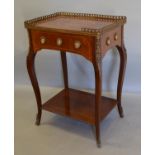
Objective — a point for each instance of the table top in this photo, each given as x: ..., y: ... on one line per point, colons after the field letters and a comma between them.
x: 75, y: 22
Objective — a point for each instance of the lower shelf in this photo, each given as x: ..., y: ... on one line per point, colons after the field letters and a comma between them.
x: 78, y: 105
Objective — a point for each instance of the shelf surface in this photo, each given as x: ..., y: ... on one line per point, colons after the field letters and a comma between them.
x: 78, y: 105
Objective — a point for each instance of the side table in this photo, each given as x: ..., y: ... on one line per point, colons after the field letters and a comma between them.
x: 89, y: 35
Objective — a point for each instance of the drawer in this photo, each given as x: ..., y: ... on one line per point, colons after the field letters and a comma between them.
x: 111, y: 39
x: 78, y: 44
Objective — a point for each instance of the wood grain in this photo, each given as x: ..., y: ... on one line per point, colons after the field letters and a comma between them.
x: 78, y: 105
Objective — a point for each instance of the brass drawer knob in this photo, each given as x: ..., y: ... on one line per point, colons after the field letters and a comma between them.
x: 59, y: 41
x: 42, y: 40
x: 108, y: 42
x: 116, y: 36
x: 77, y: 44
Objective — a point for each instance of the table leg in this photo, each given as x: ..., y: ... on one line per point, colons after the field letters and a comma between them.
x: 64, y: 68
x: 98, y: 92
x: 123, y: 60
x: 34, y: 82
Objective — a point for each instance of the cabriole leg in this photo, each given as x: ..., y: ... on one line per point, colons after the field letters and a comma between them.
x: 34, y: 82
x: 98, y: 92
x: 123, y: 60
x: 64, y: 68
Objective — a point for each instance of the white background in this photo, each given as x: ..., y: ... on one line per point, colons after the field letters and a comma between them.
x: 7, y: 77
x: 81, y: 75
x: 7, y: 69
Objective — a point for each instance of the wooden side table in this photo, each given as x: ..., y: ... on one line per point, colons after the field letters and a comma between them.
x: 89, y: 35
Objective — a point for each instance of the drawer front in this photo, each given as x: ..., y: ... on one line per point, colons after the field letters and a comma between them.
x: 78, y: 44
x: 111, y: 39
